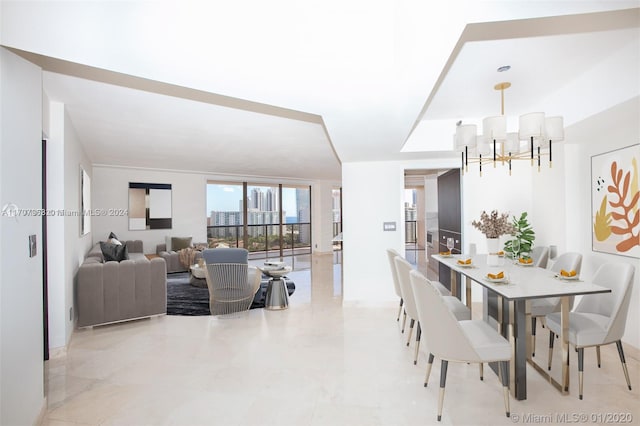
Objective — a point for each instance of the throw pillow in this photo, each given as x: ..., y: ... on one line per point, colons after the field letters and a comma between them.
x: 114, y: 252
x: 112, y: 235
x: 180, y: 243
x: 114, y: 241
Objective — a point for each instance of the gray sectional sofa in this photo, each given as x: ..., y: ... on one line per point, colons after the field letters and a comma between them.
x: 111, y: 291
x: 172, y: 258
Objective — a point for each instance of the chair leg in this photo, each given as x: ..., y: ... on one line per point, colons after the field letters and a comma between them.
x: 624, y: 364
x: 533, y: 336
x: 598, y: 355
x: 411, y: 324
x: 443, y: 381
x: 551, y: 338
x: 418, y: 336
x: 404, y: 320
x: 429, y: 365
x: 504, y: 368
x: 580, y: 370
x: 481, y: 371
x: 400, y: 309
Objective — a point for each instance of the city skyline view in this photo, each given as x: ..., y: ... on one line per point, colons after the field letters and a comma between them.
x: 227, y: 197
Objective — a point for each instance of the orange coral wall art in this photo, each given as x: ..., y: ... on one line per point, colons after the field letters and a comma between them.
x: 615, y: 215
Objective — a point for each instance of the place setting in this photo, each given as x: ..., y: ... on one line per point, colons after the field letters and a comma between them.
x: 466, y: 262
x: 571, y: 275
x: 497, y: 278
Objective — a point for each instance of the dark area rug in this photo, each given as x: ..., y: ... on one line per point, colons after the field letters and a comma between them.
x: 186, y: 299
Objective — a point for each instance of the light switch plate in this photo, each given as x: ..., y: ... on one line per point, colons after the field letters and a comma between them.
x: 388, y: 226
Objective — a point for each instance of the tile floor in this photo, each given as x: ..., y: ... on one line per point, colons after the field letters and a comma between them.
x: 318, y: 363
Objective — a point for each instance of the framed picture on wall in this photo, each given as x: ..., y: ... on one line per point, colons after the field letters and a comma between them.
x: 615, y: 215
x: 149, y: 206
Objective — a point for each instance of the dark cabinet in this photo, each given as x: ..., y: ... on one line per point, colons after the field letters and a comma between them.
x: 449, y: 219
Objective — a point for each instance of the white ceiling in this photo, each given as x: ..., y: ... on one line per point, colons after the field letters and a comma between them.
x: 292, y: 89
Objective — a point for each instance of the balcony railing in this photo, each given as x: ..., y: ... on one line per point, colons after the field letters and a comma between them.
x: 264, y: 240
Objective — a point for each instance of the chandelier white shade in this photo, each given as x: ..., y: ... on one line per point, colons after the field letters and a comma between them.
x: 534, y: 139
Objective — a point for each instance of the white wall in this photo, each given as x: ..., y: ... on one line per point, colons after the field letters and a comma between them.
x: 110, y: 187
x: 373, y: 193
x: 76, y: 245
x: 65, y: 156
x: 56, y: 264
x: 612, y: 129
x: 321, y: 217
x: 21, y: 345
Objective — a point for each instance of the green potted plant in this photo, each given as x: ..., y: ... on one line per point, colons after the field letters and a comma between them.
x: 524, y: 235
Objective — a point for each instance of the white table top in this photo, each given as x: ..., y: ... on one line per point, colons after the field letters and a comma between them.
x: 525, y: 282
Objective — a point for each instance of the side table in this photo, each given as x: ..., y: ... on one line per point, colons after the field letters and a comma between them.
x: 277, y: 295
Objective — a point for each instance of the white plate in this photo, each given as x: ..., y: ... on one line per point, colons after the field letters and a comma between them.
x: 496, y: 280
x: 524, y: 264
x: 561, y: 277
x: 444, y: 255
x: 465, y: 265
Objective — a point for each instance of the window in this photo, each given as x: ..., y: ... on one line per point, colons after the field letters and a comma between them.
x: 268, y: 220
x: 225, y: 216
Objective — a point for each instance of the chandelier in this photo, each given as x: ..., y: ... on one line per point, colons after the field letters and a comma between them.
x: 534, y: 139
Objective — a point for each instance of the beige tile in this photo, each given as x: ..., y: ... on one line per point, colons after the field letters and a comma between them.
x: 317, y: 363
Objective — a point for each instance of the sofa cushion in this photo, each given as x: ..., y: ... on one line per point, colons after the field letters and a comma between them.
x: 114, y: 252
x: 180, y: 243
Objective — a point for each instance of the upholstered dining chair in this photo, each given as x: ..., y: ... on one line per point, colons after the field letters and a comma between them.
x: 458, y: 341
x: 403, y: 268
x: 569, y: 261
x: 540, y: 256
x: 599, y: 319
x: 231, y: 281
x: 392, y: 254
x: 459, y: 310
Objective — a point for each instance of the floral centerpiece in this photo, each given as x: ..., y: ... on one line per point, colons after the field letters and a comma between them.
x: 493, y: 226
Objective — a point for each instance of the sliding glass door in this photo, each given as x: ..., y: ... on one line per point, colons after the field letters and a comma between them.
x: 268, y: 220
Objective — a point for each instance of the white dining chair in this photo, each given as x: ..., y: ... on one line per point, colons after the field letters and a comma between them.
x: 392, y: 254
x: 540, y: 256
x: 404, y: 268
x: 459, y: 309
x: 465, y: 341
x: 569, y: 261
x: 599, y: 319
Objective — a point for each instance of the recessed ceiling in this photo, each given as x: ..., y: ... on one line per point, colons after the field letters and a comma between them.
x: 294, y: 89
x: 548, y: 59
x: 136, y: 128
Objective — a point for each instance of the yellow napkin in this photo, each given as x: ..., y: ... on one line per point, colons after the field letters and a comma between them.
x: 526, y: 260
x: 570, y: 273
x: 500, y: 253
x: 496, y: 276
x: 464, y: 262
x: 445, y: 253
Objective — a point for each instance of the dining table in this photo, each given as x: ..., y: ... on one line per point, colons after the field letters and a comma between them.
x: 507, y: 305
